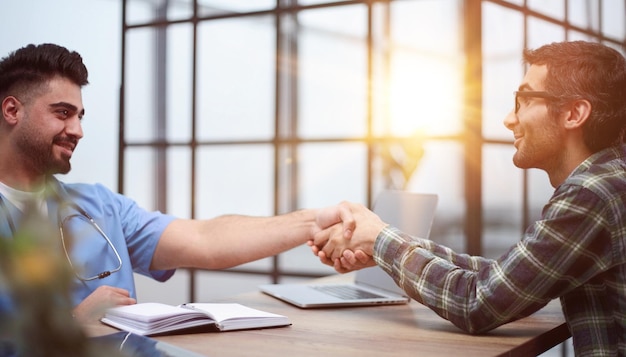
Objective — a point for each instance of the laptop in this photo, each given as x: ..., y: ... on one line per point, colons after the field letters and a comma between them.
x: 411, y: 212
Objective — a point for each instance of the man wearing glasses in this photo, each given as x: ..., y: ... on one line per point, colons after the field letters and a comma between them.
x: 569, y: 120
x: 105, y: 236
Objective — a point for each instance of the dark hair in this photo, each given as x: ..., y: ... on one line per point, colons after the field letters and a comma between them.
x: 591, y: 71
x: 26, y: 70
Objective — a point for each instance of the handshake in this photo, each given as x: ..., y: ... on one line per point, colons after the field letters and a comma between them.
x: 345, y: 236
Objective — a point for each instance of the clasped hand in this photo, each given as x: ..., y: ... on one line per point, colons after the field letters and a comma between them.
x: 346, y: 236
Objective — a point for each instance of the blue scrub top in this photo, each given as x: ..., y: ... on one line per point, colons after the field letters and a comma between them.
x: 133, y: 231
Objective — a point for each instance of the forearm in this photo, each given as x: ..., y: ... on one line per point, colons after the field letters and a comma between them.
x: 457, y: 294
x: 247, y: 239
x: 230, y: 240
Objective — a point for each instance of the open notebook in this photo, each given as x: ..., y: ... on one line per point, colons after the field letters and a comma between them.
x: 411, y: 212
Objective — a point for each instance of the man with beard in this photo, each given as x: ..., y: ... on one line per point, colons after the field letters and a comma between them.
x: 40, y: 127
x: 569, y: 120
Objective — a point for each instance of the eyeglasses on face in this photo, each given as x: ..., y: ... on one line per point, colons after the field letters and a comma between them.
x: 531, y: 94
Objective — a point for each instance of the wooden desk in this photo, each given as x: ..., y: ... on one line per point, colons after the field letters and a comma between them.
x: 403, y: 330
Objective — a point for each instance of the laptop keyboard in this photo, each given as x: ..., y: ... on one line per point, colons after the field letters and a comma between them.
x: 346, y: 292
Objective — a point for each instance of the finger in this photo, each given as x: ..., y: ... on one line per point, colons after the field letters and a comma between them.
x: 347, y: 265
x: 329, y: 249
x: 349, y: 256
x: 339, y: 267
x: 125, y: 301
x: 361, y: 256
x: 347, y: 219
x: 314, y: 249
x: 320, y: 238
x: 324, y: 259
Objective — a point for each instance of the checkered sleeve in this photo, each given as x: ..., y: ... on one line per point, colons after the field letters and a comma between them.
x: 478, y: 294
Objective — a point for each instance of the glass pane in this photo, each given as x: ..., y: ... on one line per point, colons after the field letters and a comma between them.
x: 328, y: 174
x: 179, y: 9
x: 502, y: 200
x: 423, y: 91
x: 500, y: 80
x: 498, y: 43
x: 139, y: 85
x: 220, y: 7
x: 148, y: 103
x: 179, y: 181
x: 235, y: 180
x: 445, y: 178
x: 142, y: 11
x: 236, y: 70
x: 331, y: 172
x: 139, y: 173
x: 614, y: 19
x: 432, y: 25
x: 315, y: 2
x: 552, y: 8
x: 332, y: 72
x: 503, y: 69
x: 396, y: 160
x: 584, y: 14
x: 542, y: 32
x: 576, y: 36
x: 178, y: 87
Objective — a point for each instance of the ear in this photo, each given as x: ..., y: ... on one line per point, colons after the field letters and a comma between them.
x: 11, y: 107
x: 578, y: 114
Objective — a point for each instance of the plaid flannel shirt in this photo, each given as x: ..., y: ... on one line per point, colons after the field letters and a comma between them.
x: 575, y: 252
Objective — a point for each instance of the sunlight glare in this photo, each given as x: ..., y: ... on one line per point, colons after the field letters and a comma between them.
x: 425, y: 96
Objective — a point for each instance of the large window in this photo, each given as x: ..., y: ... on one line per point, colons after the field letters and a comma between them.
x: 263, y: 107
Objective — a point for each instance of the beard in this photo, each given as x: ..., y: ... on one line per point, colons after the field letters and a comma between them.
x: 541, y: 149
x: 39, y: 152
x: 42, y: 158
x: 524, y: 159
